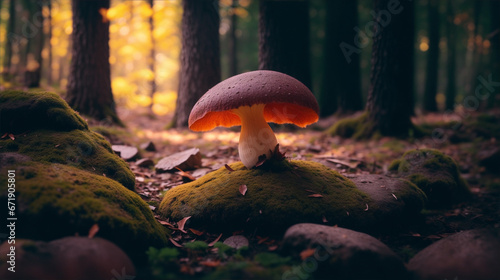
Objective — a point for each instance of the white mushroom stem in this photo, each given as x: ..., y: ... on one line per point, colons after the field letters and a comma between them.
x: 256, y: 137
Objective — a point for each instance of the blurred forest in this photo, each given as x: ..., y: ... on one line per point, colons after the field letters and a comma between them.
x: 455, y: 43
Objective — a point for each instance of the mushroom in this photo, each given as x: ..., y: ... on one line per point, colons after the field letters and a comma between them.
x: 253, y: 99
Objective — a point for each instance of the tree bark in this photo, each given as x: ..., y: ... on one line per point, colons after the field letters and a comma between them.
x: 431, y: 74
x: 152, y: 55
x: 33, y: 56
x: 390, y: 103
x: 89, y: 81
x: 7, y: 62
x: 284, y: 38
x: 342, y: 81
x: 49, y: 35
x: 200, y: 55
x: 495, y: 50
x: 450, y: 57
x: 233, y: 61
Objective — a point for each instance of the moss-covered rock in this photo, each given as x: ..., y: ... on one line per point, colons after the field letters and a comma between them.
x: 277, y: 197
x: 24, y: 111
x: 55, y: 200
x: 435, y: 173
x: 46, y: 129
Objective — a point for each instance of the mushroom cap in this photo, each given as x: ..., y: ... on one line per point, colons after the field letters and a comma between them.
x: 287, y: 101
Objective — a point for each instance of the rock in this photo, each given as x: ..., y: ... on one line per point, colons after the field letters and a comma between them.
x: 67, y: 258
x: 341, y: 252
x: 288, y: 193
x: 145, y: 162
x: 236, y: 241
x: 468, y: 255
x: 148, y: 146
x: 435, y: 173
x: 7, y: 159
x: 186, y: 160
x: 125, y: 152
x: 55, y: 200
x: 51, y: 132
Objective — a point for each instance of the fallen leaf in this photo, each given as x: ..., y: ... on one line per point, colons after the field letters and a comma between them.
x: 236, y: 241
x: 215, y: 241
x: 5, y: 135
x: 315, y: 195
x: 165, y: 223
x: 307, y: 253
x: 57, y: 145
x: 93, y: 231
x: 262, y: 239
x: 325, y: 220
x: 261, y: 160
x: 210, y: 263
x: 228, y: 168
x: 11, y: 136
x: 352, y: 165
x: 243, y: 189
x: 197, y: 232
x: 272, y: 248
x: 366, y: 209
x: 395, y: 196
x: 185, y: 174
x: 181, y: 223
x: 186, y: 160
x: 125, y: 152
x: 175, y: 243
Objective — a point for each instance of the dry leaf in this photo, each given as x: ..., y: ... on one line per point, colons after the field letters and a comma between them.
x: 5, y: 135
x: 228, y: 168
x: 307, y: 253
x: 395, y: 196
x: 11, y: 136
x: 165, y: 223
x: 272, y: 248
x: 215, y: 241
x: 57, y: 145
x: 315, y: 195
x: 181, y: 223
x: 175, y: 243
x: 366, y: 209
x: 185, y: 174
x: 210, y: 263
x: 262, y: 239
x: 197, y: 232
x: 93, y: 231
x: 243, y: 189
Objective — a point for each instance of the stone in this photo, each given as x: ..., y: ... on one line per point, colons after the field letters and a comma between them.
x: 339, y: 253
x: 56, y: 200
x: 66, y: 258
x: 467, y: 255
x: 51, y: 132
x: 435, y: 173
x: 125, y: 152
x: 185, y: 160
x: 288, y: 193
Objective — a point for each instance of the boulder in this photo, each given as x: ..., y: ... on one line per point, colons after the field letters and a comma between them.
x: 285, y: 194
x: 47, y: 130
x: 435, y: 173
x: 339, y: 253
x: 468, y: 255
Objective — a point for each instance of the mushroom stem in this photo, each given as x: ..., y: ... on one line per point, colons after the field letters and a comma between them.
x: 256, y: 137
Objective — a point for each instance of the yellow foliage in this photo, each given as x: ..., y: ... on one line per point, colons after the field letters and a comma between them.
x: 164, y: 102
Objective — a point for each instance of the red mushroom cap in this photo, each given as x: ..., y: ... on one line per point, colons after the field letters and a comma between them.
x: 287, y: 101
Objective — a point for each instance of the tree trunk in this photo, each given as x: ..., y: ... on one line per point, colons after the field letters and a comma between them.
x: 233, y: 61
x: 431, y: 74
x: 152, y: 56
x: 33, y: 56
x: 89, y: 81
x: 49, y: 35
x: 495, y: 50
x: 342, y: 81
x: 200, y: 55
x: 284, y: 38
x: 450, y: 57
x: 389, y: 103
x: 7, y: 60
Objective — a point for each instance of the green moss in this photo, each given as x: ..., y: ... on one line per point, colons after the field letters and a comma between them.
x: 435, y: 173
x: 277, y: 197
x: 267, y: 259
x: 58, y: 200
x: 246, y: 270
x: 25, y: 111
x: 349, y: 127
x: 83, y: 149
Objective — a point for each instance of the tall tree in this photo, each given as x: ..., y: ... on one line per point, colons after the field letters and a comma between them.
x: 450, y: 56
x: 49, y: 38
x: 33, y: 52
x: 89, y: 81
x: 390, y: 97
x: 233, y: 61
x: 495, y: 49
x: 151, y: 60
x: 341, y: 81
x: 200, y: 55
x: 431, y: 74
x: 7, y: 60
x: 284, y: 38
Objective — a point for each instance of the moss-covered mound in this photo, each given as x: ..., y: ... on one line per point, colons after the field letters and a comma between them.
x: 23, y: 111
x: 435, y: 173
x: 276, y: 198
x: 48, y: 131
x: 55, y: 200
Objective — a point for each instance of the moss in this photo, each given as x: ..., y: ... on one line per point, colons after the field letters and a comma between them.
x: 349, y: 127
x: 246, y: 270
x: 277, y: 197
x: 435, y: 173
x: 84, y: 149
x: 58, y: 200
x: 25, y: 111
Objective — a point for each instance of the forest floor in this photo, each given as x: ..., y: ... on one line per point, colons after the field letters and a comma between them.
x: 472, y: 141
